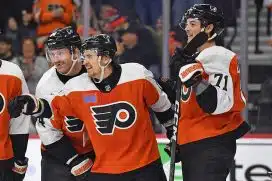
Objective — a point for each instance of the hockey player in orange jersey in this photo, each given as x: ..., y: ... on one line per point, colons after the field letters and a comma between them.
x: 14, y: 132
x: 211, y: 100
x: 113, y: 100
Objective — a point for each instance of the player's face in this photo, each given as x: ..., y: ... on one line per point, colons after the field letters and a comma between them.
x: 192, y: 28
x: 61, y: 59
x: 91, y: 62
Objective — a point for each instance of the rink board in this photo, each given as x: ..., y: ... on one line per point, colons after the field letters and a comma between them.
x: 253, y: 159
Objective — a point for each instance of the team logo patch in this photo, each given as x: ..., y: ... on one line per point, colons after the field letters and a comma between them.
x: 73, y: 124
x: 2, y: 103
x: 120, y: 115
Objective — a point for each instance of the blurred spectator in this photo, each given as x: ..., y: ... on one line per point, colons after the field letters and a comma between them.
x: 177, y: 38
x: 179, y: 7
x: 28, y: 26
x: 52, y: 14
x: 149, y: 11
x: 6, y: 49
x: 13, y: 8
x: 32, y: 66
x: 12, y: 32
x: 141, y: 45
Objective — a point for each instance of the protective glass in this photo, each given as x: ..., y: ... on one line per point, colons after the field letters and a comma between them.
x: 54, y: 55
x: 89, y: 54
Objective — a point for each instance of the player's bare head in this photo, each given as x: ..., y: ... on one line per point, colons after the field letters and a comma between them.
x: 98, y: 52
x: 63, y: 50
x: 203, y: 17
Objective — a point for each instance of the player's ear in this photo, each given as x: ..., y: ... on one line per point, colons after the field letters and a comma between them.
x: 76, y: 54
x: 105, y: 60
x: 209, y: 28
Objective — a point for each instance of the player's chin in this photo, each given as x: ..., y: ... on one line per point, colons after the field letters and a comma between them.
x: 62, y: 70
x: 90, y: 73
x: 189, y: 38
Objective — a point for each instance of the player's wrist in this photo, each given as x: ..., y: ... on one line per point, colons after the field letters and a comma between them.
x: 20, y: 166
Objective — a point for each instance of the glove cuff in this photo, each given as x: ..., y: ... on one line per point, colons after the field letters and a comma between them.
x: 79, y: 165
x: 187, y: 71
x: 20, y: 166
x: 82, y: 167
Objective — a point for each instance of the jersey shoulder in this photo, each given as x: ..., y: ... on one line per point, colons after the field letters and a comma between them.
x: 79, y: 83
x: 133, y: 71
x: 49, y: 82
x: 11, y: 69
x: 216, y: 58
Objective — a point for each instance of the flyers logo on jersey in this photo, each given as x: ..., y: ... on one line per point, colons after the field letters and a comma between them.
x: 73, y: 124
x: 118, y: 115
x: 2, y: 103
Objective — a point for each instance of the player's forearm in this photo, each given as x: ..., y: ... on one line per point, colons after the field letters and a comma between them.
x: 206, y: 96
x: 19, y: 144
x: 165, y: 116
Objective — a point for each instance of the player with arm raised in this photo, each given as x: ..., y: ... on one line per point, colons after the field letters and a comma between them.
x: 113, y: 100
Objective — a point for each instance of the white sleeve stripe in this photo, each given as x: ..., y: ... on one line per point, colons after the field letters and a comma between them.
x: 163, y: 104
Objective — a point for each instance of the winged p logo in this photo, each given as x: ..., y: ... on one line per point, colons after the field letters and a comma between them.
x: 118, y: 115
x: 2, y: 103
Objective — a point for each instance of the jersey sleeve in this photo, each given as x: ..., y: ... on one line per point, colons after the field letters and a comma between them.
x: 49, y: 131
x: 61, y: 107
x: 156, y: 98
x: 153, y: 94
x: 21, y: 124
x: 223, y: 76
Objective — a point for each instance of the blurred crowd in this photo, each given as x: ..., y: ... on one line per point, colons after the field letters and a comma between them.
x: 135, y: 24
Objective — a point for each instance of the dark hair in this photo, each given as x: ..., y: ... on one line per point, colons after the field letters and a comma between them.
x: 7, y: 40
x: 33, y: 40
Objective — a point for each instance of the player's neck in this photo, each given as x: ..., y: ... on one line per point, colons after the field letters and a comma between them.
x: 76, y: 69
x: 208, y: 44
x: 108, y: 71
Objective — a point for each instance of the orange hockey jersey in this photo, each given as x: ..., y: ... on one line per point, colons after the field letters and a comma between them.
x: 44, y: 12
x: 53, y: 130
x: 118, y: 122
x: 12, y: 84
x: 222, y: 71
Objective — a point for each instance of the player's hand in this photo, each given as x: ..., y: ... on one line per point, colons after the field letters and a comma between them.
x: 26, y: 104
x: 169, y: 126
x: 19, y: 169
x: 167, y: 149
x: 186, y: 67
x: 179, y: 58
x: 80, y: 167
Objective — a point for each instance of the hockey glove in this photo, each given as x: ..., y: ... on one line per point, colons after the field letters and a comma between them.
x: 186, y: 67
x: 26, y: 104
x: 19, y: 169
x: 167, y: 149
x: 80, y: 167
x: 169, y: 126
